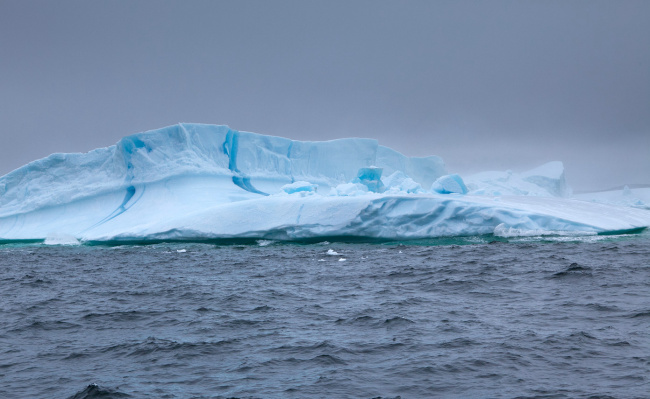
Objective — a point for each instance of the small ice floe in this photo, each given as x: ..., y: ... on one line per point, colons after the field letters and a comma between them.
x: 400, y: 252
x: 181, y: 250
x: 332, y: 252
x: 61, y: 239
x: 264, y: 243
x: 342, y: 260
x: 321, y: 260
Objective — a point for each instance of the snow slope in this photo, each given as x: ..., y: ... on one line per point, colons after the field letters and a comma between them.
x: 634, y: 197
x: 547, y: 180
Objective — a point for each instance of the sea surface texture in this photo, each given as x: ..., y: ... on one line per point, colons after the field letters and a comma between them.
x: 563, y: 317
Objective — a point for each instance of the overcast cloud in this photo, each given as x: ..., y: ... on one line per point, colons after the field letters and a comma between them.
x: 483, y: 84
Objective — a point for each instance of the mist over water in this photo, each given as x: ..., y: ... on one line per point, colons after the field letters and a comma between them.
x: 559, y: 317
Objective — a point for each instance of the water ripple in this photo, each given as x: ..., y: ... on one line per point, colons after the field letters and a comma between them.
x: 269, y: 320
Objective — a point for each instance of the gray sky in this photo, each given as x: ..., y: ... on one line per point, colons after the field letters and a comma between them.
x: 483, y: 84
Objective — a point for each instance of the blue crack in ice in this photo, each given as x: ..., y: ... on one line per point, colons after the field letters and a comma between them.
x: 230, y: 148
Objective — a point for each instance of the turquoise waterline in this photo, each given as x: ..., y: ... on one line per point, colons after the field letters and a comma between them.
x: 438, y: 241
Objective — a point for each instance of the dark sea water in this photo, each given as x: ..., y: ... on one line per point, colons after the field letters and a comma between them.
x: 543, y: 318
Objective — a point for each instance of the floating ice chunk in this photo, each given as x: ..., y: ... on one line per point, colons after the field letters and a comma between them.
x: 180, y: 251
x: 449, y: 184
x: 302, y: 187
x: 371, y: 178
x: 61, y: 239
x: 332, y: 252
x: 264, y: 243
x: 342, y: 260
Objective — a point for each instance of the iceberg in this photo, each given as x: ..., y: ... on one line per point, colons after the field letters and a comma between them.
x: 208, y: 182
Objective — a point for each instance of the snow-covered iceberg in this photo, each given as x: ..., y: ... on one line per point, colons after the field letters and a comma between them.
x: 201, y: 182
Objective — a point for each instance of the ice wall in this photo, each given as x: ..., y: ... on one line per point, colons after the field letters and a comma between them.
x: 199, y: 150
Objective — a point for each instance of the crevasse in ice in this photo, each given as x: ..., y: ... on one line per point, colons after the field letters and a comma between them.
x: 194, y: 181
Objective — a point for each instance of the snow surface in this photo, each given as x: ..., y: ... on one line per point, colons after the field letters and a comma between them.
x: 547, y: 180
x: 634, y: 197
x: 193, y: 181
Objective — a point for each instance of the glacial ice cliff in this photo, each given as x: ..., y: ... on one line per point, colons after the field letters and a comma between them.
x: 199, y: 182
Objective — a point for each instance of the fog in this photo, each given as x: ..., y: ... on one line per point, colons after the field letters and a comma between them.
x: 485, y: 85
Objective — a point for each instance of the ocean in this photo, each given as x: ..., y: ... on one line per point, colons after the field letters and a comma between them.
x: 477, y: 317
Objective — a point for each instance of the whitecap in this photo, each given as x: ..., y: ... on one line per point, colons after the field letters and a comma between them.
x: 61, y: 239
